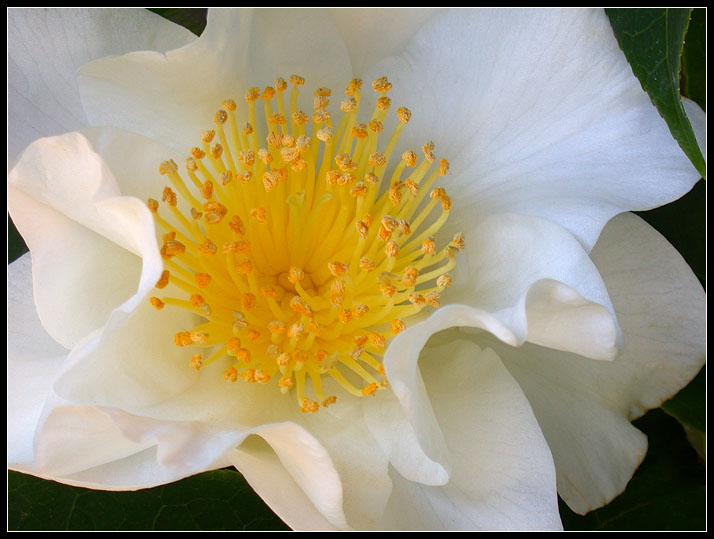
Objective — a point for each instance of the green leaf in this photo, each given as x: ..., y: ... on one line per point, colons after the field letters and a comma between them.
x: 668, y: 491
x: 218, y: 500
x: 694, y: 59
x: 652, y: 40
x: 689, y: 405
x: 193, y: 19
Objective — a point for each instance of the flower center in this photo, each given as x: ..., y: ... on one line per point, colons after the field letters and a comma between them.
x: 304, y: 256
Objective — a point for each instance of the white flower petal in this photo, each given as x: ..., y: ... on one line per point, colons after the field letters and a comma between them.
x: 43, y: 97
x: 33, y: 359
x: 310, y: 466
x: 237, y: 50
x: 584, y: 407
x: 67, y: 205
x: 373, y: 34
x: 503, y: 476
x: 265, y: 473
x: 535, y: 277
x: 540, y: 114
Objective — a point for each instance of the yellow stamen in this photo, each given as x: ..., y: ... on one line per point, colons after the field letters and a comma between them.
x: 302, y: 256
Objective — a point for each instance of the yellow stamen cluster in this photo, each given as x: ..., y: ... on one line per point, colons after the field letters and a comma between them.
x: 304, y: 251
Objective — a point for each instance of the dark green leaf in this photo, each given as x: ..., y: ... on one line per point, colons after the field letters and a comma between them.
x: 668, y: 491
x: 694, y: 59
x: 193, y: 19
x: 689, y: 405
x: 218, y: 500
x: 652, y: 41
x: 683, y: 223
x: 15, y: 244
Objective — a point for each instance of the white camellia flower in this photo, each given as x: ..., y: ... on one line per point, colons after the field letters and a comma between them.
x: 572, y: 320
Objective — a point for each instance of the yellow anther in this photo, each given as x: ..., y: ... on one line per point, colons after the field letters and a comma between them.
x: 388, y: 290
x: 153, y: 205
x: 220, y: 117
x: 410, y: 275
x: 416, y: 299
x: 432, y: 299
x: 278, y: 119
x: 345, y: 316
x: 284, y: 359
x: 391, y: 249
x: 286, y: 383
x: 360, y: 310
x: 236, y: 225
x: 198, y: 153
x: 404, y: 115
x: 195, y: 214
x: 261, y: 376
x: 384, y: 233
x: 383, y: 103
x: 202, y: 279
x: 398, y: 326
x: 198, y: 337
x: 276, y: 326
x: 247, y: 158
x: 226, y: 177
x: 337, y: 268
x: 297, y: 80
x: 243, y: 355
x: 196, y: 300
x: 295, y: 275
x: 376, y: 126
x: 236, y: 247
x: 191, y: 164
x: 324, y: 134
x: 367, y: 263
x: 338, y: 287
x: 299, y: 305
x: 370, y: 177
x: 309, y: 406
x: 253, y: 94
x: 445, y: 203
x: 319, y: 102
x: 157, y: 303
x: 247, y: 128
x: 377, y: 340
x: 230, y: 374
x: 244, y: 266
x: 411, y: 185
x: 299, y: 117
x: 323, y: 92
x: 354, y: 85
x: 248, y: 375
x: 163, y: 280
x: 443, y: 167
x: 213, y: 212
x: 348, y: 104
x: 444, y: 280
x: 196, y: 362
x: 281, y: 84
x: 173, y: 248
x: 381, y: 84
x: 207, y: 190
x: 266, y: 157
x: 377, y: 159
x: 259, y: 215
x: 229, y: 104
x: 312, y: 327
x: 369, y: 389
x: 182, y: 338
x: 167, y: 166
x: 233, y: 345
x: 321, y: 116
x: 428, y: 246
x: 332, y: 399
x: 390, y: 223
x: 268, y: 93
x: 296, y: 330
x: 253, y: 335
x: 404, y: 227
x: 362, y: 229
x: 169, y: 196
x: 358, y: 190
x: 360, y: 131
x: 409, y: 158
x: 395, y: 196
x: 207, y: 135
x: 459, y: 241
